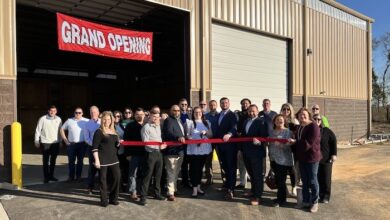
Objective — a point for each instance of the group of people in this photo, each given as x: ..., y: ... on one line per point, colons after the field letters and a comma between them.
x: 306, y: 151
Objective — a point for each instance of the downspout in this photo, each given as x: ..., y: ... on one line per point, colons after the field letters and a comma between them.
x: 369, y: 76
x: 304, y: 47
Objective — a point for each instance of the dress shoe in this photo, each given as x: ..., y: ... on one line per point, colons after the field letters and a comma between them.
x: 104, y: 203
x: 114, y: 202
x: 53, y: 179
x: 240, y: 186
x: 70, y: 179
x: 160, y: 197
x: 171, y: 198
x: 229, y: 195
x: 46, y: 180
x: 143, y: 201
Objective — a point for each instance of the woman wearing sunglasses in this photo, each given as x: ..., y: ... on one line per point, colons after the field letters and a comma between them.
x: 329, y: 156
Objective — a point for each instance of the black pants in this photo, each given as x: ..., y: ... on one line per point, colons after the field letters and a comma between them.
x: 253, y: 160
x: 227, y: 154
x: 184, y: 170
x: 325, y: 179
x: 208, y: 166
x: 49, y: 153
x: 91, y: 169
x: 109, y: 180
x: 196, y: 168
x: 281, y: 177
x: 153, y: 164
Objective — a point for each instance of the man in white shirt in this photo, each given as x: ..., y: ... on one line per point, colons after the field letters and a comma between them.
x: 75, y: 143
x: 48, y: 139
x: 92, y: 125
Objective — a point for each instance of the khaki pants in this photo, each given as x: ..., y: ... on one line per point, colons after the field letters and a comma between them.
x: 172, y: 166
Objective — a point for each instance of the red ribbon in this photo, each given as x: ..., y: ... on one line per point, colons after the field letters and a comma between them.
x: 202, y: 141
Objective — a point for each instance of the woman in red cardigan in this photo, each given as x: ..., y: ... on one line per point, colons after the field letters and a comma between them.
x: 308, y: 152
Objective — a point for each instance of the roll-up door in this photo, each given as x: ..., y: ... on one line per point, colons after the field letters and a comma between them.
x: 248, y: 65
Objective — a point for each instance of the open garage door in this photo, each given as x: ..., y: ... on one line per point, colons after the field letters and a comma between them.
x: 48, y: 76
x: 248, y: 65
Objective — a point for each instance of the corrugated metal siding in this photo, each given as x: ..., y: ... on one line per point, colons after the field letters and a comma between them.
x: 7, y: 40
x: 183, y: 4
x: 338, y: 64
x: 279, y: 17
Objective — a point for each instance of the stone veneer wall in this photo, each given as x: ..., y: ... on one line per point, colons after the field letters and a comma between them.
x: 7, y: 116
x: 348, y: 118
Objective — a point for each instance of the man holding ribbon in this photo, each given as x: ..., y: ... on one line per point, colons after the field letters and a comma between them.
x: 254, y: 151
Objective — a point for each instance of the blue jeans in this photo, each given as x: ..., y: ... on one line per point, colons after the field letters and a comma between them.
x: 76, y: 150
x: 310, y: 187
x: 136, y: 164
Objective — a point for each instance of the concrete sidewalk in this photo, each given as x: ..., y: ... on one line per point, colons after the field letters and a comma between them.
x: 360, y: 191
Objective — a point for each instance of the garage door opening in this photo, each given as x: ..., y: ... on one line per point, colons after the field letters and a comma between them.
x: 247, y: 64
x: 49, y: 76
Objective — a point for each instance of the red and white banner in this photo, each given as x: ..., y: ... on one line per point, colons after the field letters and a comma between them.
x: 82, y: 36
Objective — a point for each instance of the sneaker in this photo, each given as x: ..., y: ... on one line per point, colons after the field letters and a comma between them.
x: 90, y: 191
x: 314, y: 208
x: 276, y: 204
x: 294, y: 191
x: 171, y: 198
x: 70, y: 179
x: 326, y: 201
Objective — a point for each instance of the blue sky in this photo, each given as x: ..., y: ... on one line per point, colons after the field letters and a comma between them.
x: 380, y: 11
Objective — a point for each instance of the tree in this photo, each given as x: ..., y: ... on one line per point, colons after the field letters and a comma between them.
x: 383, y: 43
x: 377, y: 92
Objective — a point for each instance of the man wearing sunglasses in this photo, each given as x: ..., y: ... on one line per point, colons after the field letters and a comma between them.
x: 75, y: 143
x: 316, y: 110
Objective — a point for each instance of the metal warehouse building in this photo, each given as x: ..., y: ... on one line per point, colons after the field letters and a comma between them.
x: 298, y: 51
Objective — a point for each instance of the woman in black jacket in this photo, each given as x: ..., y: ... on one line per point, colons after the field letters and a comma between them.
x: 329, y: 155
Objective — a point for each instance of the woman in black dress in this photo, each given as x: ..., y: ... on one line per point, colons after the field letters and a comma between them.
x: 105, y: 147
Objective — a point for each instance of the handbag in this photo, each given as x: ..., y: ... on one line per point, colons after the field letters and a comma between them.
x: 270, y: 180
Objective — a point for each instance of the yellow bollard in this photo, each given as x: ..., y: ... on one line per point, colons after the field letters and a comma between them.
x: 215, y: 156
x: 16, y: 152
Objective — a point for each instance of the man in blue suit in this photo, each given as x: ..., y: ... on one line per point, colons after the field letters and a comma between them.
x: 254, y: 152
x: 227, y: 152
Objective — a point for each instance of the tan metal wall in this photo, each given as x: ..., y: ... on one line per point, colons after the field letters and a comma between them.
x: 7, y: 40
x: 338, y: 64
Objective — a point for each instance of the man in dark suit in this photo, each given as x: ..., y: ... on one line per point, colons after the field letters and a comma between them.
x: 173, y: 130
x: 227, y: 152
x: 254, y: 152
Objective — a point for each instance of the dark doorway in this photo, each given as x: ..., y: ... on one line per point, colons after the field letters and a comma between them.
x: 48, y: 76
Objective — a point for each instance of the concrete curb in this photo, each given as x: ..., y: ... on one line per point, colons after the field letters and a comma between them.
x: 3, y: 213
